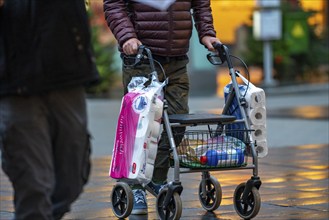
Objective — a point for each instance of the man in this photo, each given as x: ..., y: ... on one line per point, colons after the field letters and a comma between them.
x: 166, y: 34
x: 46, y: 60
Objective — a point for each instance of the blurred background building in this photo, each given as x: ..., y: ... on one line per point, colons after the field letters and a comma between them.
x: 300, y: 55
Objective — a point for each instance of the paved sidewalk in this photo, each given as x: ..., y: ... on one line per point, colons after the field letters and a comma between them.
x: 295, y: 186
x: 295, y: 179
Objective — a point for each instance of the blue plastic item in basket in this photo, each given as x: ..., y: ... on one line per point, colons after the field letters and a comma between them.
x: 235, y: 110
x: 213, y: 156
x: 236, y: 156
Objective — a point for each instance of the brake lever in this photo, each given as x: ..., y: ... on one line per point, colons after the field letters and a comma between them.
x: 139, y: 55
x: 217, y: 58
x: 221, y: 51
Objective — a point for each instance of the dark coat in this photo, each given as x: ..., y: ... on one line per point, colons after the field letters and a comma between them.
x: 166, y: 33
x: 45, y: 45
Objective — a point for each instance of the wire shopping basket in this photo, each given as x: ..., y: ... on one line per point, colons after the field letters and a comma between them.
x: 206, y: 150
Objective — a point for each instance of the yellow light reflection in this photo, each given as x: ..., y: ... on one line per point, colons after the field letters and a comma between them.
x: 228, y: 201
x: 275, y: 180
x: 309, y: 195
x: 318, y: 167
x: 312, y: 146
x: 309, y: 111
x: 313, y: 189
x: 313, y: 175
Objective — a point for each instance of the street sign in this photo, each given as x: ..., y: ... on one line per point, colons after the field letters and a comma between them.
x: 296, y: 32
x: 267, y: 24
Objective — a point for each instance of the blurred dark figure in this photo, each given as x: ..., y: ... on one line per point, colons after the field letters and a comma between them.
x: 46, y: 61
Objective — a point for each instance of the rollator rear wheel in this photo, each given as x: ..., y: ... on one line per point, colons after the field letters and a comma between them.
x: 213, y: 197
x: 250, y: 208
x: 174, y: 209
x: 122, y: 200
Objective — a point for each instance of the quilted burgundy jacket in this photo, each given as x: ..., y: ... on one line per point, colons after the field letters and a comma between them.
x: 166, y: 33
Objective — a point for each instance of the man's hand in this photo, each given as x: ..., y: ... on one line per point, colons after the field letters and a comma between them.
x: 130, y: 47
x: 208, y: 41
x: 2, y: 2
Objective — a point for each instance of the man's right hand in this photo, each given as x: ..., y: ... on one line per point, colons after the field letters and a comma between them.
x: 130, y: 47
x: 208, y: 42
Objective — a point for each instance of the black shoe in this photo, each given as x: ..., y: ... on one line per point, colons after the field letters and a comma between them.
x: 156, y: 188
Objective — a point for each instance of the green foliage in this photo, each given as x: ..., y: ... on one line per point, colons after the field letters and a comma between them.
x: 289, y: 66
x: 104, y: 53
x: 104, y: 61
x: 254, y: 54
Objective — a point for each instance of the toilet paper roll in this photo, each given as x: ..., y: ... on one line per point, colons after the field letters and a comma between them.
x: 152, y: 151
x: 155, y: 129
x: 149, y: 171
x: 259, y: 133
x: 256, y: 97
x: 158, y: 109
x: 262, y: 149
x: 257, y: 116
x: 142, y: 126
x: 153, y: 140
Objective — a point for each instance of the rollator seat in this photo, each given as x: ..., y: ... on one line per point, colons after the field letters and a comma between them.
x: 201, y: 118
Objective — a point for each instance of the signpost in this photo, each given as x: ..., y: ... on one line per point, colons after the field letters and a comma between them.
x: 267, y: 23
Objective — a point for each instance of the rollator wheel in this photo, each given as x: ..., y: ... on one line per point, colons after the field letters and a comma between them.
x: 174, y: 209
x: 213, y: 197
x: 251, y: 207
x: 122, y: 200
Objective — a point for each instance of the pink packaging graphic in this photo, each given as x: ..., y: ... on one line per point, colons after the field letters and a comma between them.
x: 137, y: 133
x: 125, y: 137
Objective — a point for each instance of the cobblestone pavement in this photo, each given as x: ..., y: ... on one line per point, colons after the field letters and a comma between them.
x: 294, y: 186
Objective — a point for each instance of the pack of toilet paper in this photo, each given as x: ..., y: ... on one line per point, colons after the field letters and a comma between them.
x: 138, y: 131
x: 256, y: 113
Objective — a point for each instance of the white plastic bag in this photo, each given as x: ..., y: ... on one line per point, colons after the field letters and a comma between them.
x: 255, y: 96
x: 138, y: 130
x: 158, y: 4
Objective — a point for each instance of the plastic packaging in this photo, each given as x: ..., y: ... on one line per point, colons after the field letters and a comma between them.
x: 138, y: 130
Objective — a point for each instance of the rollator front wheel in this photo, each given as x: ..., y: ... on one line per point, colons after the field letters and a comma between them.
x: 122, y: 200
x: 173, y: 210
x: 246, y: 209
x: 213, y: 194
